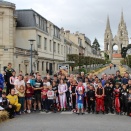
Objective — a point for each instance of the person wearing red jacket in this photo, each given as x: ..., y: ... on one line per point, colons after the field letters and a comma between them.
x: 99, y: 93
x: 116, y: 93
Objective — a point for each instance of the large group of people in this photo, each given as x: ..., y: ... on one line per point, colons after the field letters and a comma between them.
x: 78, y: 93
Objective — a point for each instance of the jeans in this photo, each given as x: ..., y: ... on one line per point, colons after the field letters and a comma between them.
x: 22, y: 101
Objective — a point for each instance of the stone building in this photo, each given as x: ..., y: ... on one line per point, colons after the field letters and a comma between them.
x: 120, y: 39
x: 50, y: 43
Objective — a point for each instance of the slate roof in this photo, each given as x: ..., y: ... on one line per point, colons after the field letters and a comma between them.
x: 25, y: 18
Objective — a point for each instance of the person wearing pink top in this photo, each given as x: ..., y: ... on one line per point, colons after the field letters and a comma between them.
x: 12, y: 79
x: 62, y: 89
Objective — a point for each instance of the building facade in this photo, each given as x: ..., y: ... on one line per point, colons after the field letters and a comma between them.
x: 50, y: 45
x: 121, y: 39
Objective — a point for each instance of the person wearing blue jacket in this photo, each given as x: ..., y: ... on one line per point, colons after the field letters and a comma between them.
x: 1, y: 84
x: 125, y: 79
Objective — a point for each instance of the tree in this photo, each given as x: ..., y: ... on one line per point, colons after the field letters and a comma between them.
x: 75, y: 58
x: 96, y: 45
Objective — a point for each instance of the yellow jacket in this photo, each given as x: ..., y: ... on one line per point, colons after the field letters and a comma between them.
x: 13, y: 99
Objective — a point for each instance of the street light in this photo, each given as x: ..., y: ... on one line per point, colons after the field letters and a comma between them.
x: 31, y: 43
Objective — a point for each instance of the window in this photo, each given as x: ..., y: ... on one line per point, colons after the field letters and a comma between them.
x: 45, y: 25
x: 58, y: 48
x: 37, y: 20
x: 19, y: 67
x: 45, y: 43
x: 54, y: 46
x: 38, y: 66
x: 38, y: 41
x: 50, y: 46
x: 62, y: 49
x: 56, y: 32
x: 42, y: 65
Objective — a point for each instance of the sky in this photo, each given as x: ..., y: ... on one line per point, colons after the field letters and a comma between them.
x: 86, y: 16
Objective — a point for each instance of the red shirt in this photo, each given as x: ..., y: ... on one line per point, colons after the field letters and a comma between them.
x: 44, y: 92
x: 80, y: 88
x: 29, y: 92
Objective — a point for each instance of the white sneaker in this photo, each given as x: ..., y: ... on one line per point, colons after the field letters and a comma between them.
x: 28, y: 111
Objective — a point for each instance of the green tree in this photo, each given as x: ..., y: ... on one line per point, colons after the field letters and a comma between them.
x: 96, y: 45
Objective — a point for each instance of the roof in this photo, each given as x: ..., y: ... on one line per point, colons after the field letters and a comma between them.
x: 116, y: 56
x: 25, y: 18
x: 5, y: 3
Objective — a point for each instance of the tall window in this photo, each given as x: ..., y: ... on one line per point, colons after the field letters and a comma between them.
x: 38, y: 41
x: 45, y: 43
x: 45, y: 26
x: 38, y: 66
x: 42, y: 65
x: 50, y: 46
x: 58, y: 48
x: 19, y: 67
x: 62, y: 49
x: 54, y: 46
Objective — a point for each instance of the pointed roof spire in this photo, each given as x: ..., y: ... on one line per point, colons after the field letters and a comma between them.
x: 122, y: 18
x: 108, y: 23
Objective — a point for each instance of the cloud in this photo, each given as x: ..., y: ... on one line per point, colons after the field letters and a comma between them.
x: 87, y: 17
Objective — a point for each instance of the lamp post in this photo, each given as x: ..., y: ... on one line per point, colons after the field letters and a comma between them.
x: 31, y: 43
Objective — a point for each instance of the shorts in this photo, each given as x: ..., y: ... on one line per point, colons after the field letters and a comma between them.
x: 29, y: 98
x: 80, y: 105
x: 37, y: 97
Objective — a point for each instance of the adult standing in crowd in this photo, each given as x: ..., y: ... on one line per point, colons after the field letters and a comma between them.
x: 37, y: 92
x: 8, y: 74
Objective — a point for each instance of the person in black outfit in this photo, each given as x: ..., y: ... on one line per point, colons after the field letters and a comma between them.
x: 55, y: 89
x: 7, y: 76
x: 91, y: 99
x: 108, y: 98
x: 6, y: 105
x: 129, y: 103
x: 73, y: 94
x: 124, y: 92
x: 37, y: 92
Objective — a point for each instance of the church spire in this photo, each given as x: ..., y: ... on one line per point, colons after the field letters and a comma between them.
x: 122, y: 18
x: 108, y: 24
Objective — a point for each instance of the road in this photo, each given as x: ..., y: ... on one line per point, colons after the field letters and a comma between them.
x: 67, y: 122
x: 109, y: 71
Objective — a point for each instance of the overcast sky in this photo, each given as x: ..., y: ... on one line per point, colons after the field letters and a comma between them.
x: 86, y: 16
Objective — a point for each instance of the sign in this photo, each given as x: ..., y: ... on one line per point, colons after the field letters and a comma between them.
x: 63, y: 67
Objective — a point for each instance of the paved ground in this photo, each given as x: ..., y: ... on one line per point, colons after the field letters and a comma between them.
x: 109, y: 71
x: 67, y: 122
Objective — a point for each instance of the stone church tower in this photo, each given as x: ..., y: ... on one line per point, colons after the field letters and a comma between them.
x: 7, y: 33
x: 121, y: 39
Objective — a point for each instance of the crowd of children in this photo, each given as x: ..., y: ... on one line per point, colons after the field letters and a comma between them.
x: 78, y: 93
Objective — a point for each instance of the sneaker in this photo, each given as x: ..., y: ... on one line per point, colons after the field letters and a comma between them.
x: 28, y: 111
x: 78, y: 113
x: 83, y: 113
x: 18, y: 113
x: 34, y: 110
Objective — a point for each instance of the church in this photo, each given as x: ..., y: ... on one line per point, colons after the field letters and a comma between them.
x: 120, y: 39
